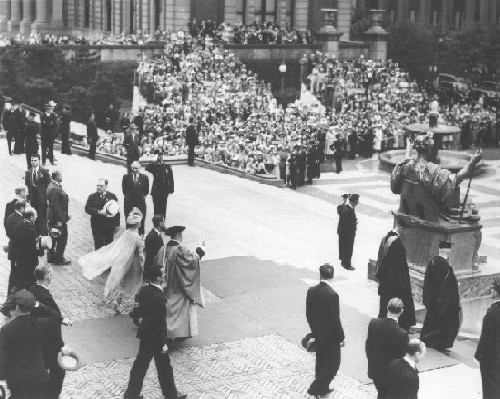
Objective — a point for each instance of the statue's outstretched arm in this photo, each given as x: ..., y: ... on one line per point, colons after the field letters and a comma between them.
x: 466, y: 171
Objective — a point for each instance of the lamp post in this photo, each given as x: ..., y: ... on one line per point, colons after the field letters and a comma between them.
x: 282, y: 69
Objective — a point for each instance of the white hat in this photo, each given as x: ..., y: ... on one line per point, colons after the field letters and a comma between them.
x: 44, y: 242
x: 112, y: 208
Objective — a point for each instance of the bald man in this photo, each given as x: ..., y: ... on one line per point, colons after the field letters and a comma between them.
x: 135, y: 187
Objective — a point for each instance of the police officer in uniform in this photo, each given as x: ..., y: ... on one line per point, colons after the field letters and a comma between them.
x: 48, y: 133
x: 163, y: 183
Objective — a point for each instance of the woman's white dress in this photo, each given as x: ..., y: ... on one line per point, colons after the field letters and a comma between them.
x: 125, y: 257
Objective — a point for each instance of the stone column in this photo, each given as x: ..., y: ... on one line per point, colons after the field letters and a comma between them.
x: 25, y: 25
x: 328, y: 36
x: 230, y: 11
x: 4, y: 14
x: 281, y: 13
x: 57, y: 14
x: 15, y: 15
x: 42, y: 16
x: 169, y: 14
x: 344, y: 18
x: 376, y: 37
x: 250, y: 12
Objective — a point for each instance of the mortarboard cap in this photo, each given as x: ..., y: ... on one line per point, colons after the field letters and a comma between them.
x: 345, y: 196
x: 354, y: 197
x: 445, y: 244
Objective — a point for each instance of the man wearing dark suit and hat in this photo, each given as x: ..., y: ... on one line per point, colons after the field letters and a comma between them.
x: 441, y: 300
x: 48, y: 128
x: 192, y: 140
x: 58, y: 217
x: 323, y: 317
x: 22, y: 342
x: 346, y: 230
x: 488, y: 347
x: 21, y: 194
x: 386, y: 341
x: 37, y: 179
x: 135, y: 187
x: 102, y: 224
x: 153, y: 339
x: 31, y: 138
x: 403, y: 373
x: 64, y: 129
x: 163, y: 183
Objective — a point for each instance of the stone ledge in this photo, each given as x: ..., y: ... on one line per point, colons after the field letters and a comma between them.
x: 272, y: 181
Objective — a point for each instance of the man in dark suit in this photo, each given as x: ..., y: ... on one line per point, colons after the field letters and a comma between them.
x: 22, y: 341
x: 403, y: 373
x: 11, y: 223
x: 9, y: 127
x: 488, y: 347
x: 163, y: 183
x: 40, y: 290
x: 386, y: 341
x: 347, y: 230
x: 57, y: 216
x: 48, y: 122
x: 139, y: 122
x: 103, y: 225
x: 31, y: 139
x: 92, y: 136
x: 21, y: 195
x: 24, y: 249
x: 135, y: 187
x: 153, y: 339
x: 191, y: 140
x: 37, y: 179
x: 323, y: 316
x: 154, y: 241
x: 131, y: 143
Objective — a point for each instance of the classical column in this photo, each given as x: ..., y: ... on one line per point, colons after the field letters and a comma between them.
x: 4, y: 14
x: 281, y: 11
x: 57, y: 14
x: 25, y: 25
x: 15, y: 15
x: 344, y: 18
x: 250, y: 12
x: 42, y: 16
x: 230, y: 11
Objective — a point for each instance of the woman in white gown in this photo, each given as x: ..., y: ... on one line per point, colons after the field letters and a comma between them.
x: 125, y: 257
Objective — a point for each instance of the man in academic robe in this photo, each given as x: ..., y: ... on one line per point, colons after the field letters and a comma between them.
x: 323, y: 317
x: 103, y: 225
x: 393, y: 276
x: 181, y: 268
x: 441, y: 300
x: 163, y: 183
x: 403, y: 373
x: 488, y: 347
x: 346, y: 230
x: 135, y: 187
x: 37, y: 179
x: 386, y: 341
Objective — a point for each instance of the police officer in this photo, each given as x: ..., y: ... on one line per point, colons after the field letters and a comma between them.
x: 48, y: 133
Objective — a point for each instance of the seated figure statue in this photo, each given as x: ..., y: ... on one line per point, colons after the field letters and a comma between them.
x: 439, y: 183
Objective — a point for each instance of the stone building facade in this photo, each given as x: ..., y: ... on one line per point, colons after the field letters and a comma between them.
x: 117, y: 16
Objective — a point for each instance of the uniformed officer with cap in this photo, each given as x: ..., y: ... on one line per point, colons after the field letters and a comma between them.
x: 347, y: 229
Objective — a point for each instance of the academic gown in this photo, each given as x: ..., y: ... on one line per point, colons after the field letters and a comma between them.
x: 181, y: 269
x: 442, y: 301
x: 393, y: 275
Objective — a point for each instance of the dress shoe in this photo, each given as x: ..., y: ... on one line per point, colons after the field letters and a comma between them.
x: 63, y: 262
x: 349, y: 267
x: 181, y: 396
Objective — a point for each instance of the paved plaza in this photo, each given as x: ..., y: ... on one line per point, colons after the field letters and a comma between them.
x: 264, y: 245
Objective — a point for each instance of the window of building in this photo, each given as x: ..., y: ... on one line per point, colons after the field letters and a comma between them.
x: 109, y: 15
x: 157, y: 14
x: 290, y: 14
x: 86, y: 14
x: 392, y: 11
x: 459, y: 7
x: 132, y: 17
x: 435, y: 12
x: 241, y: 5
x: 265, y: 10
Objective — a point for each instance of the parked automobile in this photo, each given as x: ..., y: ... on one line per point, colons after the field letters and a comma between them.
x: 458, y: 83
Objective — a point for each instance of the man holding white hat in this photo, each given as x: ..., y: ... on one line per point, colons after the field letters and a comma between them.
x: 104, y: 211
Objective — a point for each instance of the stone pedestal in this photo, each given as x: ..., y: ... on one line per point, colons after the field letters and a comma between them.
x: 376, y: 37
x: 328, y: 36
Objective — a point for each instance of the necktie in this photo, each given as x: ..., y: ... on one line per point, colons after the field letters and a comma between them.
x: 34, y: 176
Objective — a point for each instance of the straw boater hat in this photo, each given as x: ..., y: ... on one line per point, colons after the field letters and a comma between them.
x: 135, y: 217
x: 112, y: 208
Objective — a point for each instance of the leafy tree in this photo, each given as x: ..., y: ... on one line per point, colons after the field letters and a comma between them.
x: 38, y: 92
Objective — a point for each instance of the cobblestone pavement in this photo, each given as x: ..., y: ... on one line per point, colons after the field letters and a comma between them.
x: 264, y: 367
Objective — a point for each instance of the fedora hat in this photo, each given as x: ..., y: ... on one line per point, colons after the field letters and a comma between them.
x: 44, y: 242
x: 112, y: 208
x: 70, y: 361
